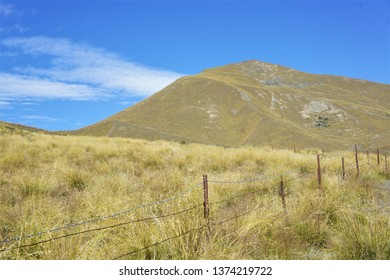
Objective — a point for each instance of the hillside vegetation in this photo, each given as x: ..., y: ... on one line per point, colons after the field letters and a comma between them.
x: 71, y: 197
x: 12, y: 128
x: 257, y: 103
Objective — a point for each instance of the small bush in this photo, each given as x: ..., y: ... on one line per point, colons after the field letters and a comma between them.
x: 76, y: 180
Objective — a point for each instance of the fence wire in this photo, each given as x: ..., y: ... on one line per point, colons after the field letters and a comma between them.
x: 103, y: 228
x: 240, y: 196
x: 94, y: 220
x: 260, y: 206
x: 158, y: 243
x: 254, y: 179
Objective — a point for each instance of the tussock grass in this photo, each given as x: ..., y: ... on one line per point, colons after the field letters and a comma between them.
x: 49, y: 181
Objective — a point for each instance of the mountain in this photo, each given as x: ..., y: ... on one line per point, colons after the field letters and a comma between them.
x: 13, y: 128
x: 257, y: 103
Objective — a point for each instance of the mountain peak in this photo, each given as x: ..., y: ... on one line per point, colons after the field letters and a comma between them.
x: 254, y: 63
x: 254, y: 69
x: 258, y: 103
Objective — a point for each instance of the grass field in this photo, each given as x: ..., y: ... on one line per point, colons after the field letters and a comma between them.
x: 90, y: 190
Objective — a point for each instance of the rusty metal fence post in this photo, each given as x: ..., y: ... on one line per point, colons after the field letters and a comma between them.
x: 357, y: 161
x: 206, y: 210
x: 205, y: 197
x: 343, y: 167
x: 319, y: 174
x: 282, y: 194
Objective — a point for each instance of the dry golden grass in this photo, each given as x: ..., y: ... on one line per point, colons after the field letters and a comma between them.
x: 49, y: 181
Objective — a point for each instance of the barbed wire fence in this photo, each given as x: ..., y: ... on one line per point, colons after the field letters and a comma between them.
x: 269, y: 186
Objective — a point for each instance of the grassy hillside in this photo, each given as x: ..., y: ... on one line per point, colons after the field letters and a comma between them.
x: 255, y: 103
x: 103, y: 198
x: 11, y: 128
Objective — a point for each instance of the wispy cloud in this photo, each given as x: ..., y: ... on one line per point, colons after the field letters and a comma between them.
x: 78, y: 71
x: 6, y: 9
x: 26, y: 87
x: 9, y: 10
x: 39, y: 118
x: 5, y: 105
x: 14, y: 28
x: 29, y: 103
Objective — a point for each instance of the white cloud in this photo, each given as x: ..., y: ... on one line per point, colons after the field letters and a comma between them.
x: 39, y: 118
x: 5, y: 105
x: 79, y: 71
x: 27, y: 87
x: 29, y: 103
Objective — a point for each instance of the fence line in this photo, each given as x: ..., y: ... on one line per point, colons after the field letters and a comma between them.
x: 106, y: 227
x: 239, y: 196
x: 375, y: 148
x: 236, y: 197
x: 255, y: 179
x: 179, y: 194
x: 235, y: 217
x: 191, y: 230
x: 127, y: 211
x: 256, y: 191
x: 131, y: 222
x: 260, y: 206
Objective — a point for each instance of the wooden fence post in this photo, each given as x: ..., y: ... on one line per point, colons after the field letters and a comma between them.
x: 357, y: 161
x: 343, y: 166
x: 319, y: 174
x: 206, y: 210
x: 205, y: 197
x: 282, y: 194
x: 386, y: 163
x: 368, y: 158
x: 377, y: 155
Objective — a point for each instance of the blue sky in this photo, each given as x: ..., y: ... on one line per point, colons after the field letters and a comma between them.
x: 68, y: 64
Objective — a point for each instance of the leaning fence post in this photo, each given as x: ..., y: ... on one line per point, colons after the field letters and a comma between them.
x: 282, y: 194
x: 357, y: 161
x: 206, y: 202
x: 343, y: 166
x: 319, y: 174
x: 377, y: 155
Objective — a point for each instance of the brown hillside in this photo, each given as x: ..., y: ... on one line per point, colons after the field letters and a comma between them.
x: 256, y: 103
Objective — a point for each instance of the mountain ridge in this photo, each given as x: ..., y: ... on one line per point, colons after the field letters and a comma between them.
x: 257, y: 103
x: 9, y: 128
